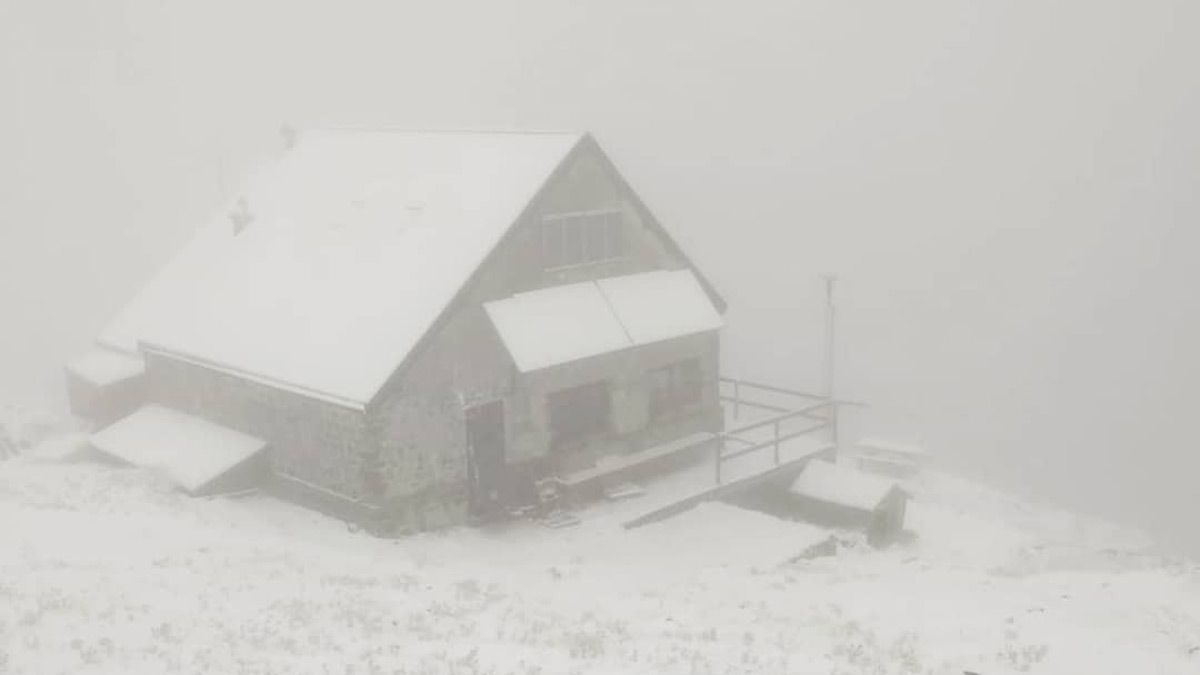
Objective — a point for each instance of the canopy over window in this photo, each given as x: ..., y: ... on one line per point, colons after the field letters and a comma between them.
x: 557, y: 325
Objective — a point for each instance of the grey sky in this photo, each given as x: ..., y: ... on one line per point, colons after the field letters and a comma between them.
x: 1007, y: 190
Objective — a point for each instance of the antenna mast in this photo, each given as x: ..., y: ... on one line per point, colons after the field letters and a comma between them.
x: 830, y: 317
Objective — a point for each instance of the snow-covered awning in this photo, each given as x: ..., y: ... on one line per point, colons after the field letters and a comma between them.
x: 835, y: 484
x: 192, y: 452
x: 104, y: 367
x: 556, y: 325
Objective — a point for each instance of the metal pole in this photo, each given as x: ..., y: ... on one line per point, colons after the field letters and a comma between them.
x: 719, y: 445
x: 830, y: 318
x: 776, y: 442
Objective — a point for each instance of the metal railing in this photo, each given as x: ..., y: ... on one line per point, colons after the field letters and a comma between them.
x: 822, y: 409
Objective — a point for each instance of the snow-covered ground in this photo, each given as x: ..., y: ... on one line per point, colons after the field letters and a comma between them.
x: 108, y: 569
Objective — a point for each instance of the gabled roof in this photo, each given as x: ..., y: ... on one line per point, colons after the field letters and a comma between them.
x: 357, y: 242
x: 356, y: 245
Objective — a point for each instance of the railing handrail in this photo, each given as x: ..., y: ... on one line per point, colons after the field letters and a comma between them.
x: 725, y: 456
x: 828, y: 421
x: 806, y: 411
x: 770, y: 387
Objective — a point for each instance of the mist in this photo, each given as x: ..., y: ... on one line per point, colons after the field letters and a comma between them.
x: 1007, y: 192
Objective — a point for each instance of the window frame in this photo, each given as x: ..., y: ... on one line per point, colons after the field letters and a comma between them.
x: 675, y: 389
x: 608, y: 223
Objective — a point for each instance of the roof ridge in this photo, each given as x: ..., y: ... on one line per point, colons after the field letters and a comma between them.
x: 444, y: 130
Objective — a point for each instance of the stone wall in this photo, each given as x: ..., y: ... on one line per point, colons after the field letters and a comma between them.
x: 316, y: 441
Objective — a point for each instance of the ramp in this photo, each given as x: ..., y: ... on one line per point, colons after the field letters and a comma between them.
x: 765, y: 451
x: 685, y: 489
x: 197, y: 455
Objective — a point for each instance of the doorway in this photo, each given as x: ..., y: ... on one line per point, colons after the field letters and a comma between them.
x: 485, y: 456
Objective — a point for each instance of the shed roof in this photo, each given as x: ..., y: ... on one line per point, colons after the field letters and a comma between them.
x: 357, y: 242
x: 551, y: 326
x: 841, y: 485
x: 192, y: 452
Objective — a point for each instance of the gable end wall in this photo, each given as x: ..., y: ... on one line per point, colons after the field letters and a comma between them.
x: 416, y: 423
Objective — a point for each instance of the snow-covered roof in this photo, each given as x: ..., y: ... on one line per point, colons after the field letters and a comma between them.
x: 103, y: 367
x: 842, y: 485
x: 660, y: 305
x: 556, y: 325
x: 192, y: 452
x: 357, y: 242
x: 158, y: 300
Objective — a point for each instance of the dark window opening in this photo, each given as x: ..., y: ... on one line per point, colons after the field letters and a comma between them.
x: 579, y: 412
x: 675, y: 387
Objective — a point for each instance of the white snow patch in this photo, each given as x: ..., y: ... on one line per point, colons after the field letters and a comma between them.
x: 107, y: 570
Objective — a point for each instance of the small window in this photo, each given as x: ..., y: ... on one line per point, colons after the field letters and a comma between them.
x: 582, y: 238
x: 675, y: 387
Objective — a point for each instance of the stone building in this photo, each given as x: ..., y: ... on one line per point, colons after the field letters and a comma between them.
x: 419, y: 326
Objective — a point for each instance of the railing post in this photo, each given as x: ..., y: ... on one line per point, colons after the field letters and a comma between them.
x: 719, y: 450
x: 737, y: 399
x: 833, y: 423
x: 776, y: 442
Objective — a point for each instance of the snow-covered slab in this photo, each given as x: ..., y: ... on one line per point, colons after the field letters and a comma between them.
x: 192, y: 452
x: 556, y: 325
x: 103, y: 367
x: 660, y: 305
x: 879, y: 445
x: 836, y: 484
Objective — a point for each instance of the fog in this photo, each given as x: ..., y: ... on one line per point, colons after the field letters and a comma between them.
x: 1006, y: 191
